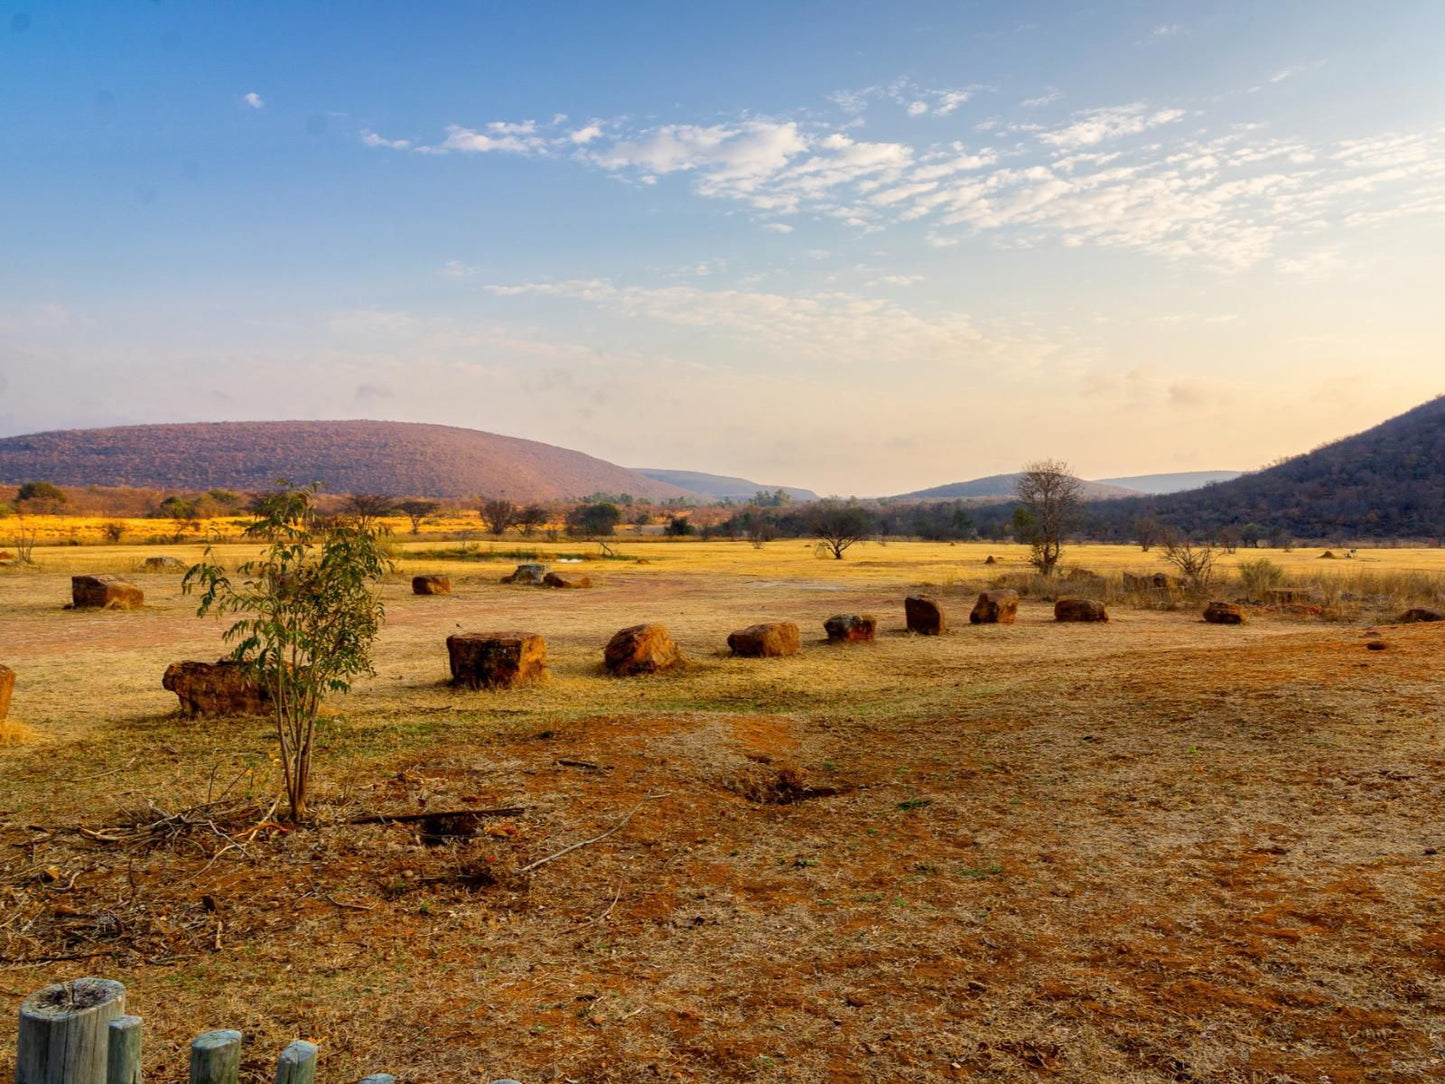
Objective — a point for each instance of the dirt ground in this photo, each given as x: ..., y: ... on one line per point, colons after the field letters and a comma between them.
x: 1151, y: 850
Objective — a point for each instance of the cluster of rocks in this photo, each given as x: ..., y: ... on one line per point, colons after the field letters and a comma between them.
x: 104, y: 593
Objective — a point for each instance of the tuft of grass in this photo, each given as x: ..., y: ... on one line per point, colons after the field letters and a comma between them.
x: 14, y: 732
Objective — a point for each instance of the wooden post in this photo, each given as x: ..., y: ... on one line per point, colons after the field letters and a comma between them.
x: 123, y: 1062
x: 297, y: 1064
x: 62, y: 1036
x: 216, y: 1057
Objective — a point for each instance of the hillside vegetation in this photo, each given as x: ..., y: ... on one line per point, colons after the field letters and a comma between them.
x: 347, y: 456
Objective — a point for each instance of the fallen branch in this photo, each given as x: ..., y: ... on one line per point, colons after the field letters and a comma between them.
x: 586, y: 765
x: 407, y: 818
x: 350, y: 906
x: 595, y: 839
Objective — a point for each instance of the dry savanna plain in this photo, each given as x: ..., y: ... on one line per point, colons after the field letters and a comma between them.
x: 1147, y: 850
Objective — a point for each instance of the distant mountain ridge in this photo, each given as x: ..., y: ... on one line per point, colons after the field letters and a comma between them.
x: 1004, y: 486
x: 396, y: 458
x: 719, y: 486
x: 1171, y: 483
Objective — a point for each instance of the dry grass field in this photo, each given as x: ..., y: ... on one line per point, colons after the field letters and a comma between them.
x: 1152, y: 850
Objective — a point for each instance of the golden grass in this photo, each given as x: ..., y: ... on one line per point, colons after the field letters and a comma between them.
x: 1152, y: 850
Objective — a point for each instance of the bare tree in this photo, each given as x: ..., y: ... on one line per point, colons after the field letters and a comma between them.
x: 1147, y: 530
x: 530, y: 518
x: 498, y: 514
x: 416, y: 510
x: 1194, y: 560
x: 365, y: 507
x: 838, y: 526
x: 1049, y: 494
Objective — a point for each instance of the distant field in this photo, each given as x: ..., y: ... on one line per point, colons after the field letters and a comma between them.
x: 1152, y: 850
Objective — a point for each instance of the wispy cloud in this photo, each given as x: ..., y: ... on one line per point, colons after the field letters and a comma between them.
x: 253, y: 100
x: 1103, y: 124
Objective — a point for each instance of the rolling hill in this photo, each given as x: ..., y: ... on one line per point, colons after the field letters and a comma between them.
x: 397, y: 458
x: 1172, y: 483
x: 719, y: 486
x: 1387, y: 482
x: 1004, y: 487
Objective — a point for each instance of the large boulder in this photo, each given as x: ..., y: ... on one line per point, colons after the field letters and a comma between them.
x: 496, y: 660
x: 1224, y: 613
x: 532, y: 574
x: 851, y: 628
x: 552, y: 579
x: 104, y: 592
x: 770, y: 640
x: 924, y: 615
x: 431, y: 585
x: 216, y: 688
x: 999, y: 607
x: 1419, y: 614
x: 1079, y: 609
x: 7, y: 686
x: 641, y: 649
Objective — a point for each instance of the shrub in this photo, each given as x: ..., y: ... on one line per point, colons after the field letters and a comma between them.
x: 1257, y: 577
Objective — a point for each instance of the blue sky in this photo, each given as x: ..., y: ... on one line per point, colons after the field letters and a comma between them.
x: 860, y: 247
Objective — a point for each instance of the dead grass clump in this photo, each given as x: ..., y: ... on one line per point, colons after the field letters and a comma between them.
x: 14, y: 732
x: 777, y: 786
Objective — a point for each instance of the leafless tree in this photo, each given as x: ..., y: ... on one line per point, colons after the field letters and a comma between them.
x: 498, y: 514
x: 1194, y: 560
x: 365, y: 507
x: 530, y: 518
x: 416, y: 510
x: 1049, y: 495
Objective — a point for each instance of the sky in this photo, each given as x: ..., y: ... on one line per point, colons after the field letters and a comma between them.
x: 864, y: 248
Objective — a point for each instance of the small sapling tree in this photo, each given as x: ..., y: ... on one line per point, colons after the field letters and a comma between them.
x: 311, y: 610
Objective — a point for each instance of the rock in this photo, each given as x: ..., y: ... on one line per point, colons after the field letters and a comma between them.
x: 552, y: 579
x: 1224, y: 613
x: 641, y: 649
x: 496, y: 660
x: 7, y: 686
x: 999, y: 607
x: 1328, y: 555
x: 1376, y: 645
x: 431, y: 585
x: 163, y: 564
x: 1079, y: 609
x: 851, y: 628
x: 990, y: 560
x: 105, y: 592
x: 924, y: 615
x: 527, y: 574
x: 216, y: 688
x: 1420, y: 614
x: 770, y: 640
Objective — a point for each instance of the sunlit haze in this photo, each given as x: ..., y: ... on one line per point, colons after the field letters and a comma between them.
x: 862, y: 248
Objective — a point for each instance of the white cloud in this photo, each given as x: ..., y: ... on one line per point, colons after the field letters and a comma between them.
x: 1168, y: 30
x: 455, y: 269
x: 1102, y: 124
x: 917, y: 109
x: 778, y: 227
x: 585, y: 135
x: 254, y: 100
x: 371, y: 139
x: 1048, y: 96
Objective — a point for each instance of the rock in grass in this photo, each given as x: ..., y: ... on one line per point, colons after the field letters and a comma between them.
x: 496, y: 660
x: 924, y: 615
x: 553, y: 579
x: 431, y: 585
x: 770, y: 640
x: 533, y: 574
x: 7, y: 686
x: 1419, y: 614
x: 104, y: 592
x: 851, y: 628
x: 1079, y: 609
x: 641, y: 649
x: 1224, y: 613
x: 215, y: 688
x: 163, y: 564
x: 999, y: 607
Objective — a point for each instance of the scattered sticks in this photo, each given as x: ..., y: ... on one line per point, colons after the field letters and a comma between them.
x: 529, y: 867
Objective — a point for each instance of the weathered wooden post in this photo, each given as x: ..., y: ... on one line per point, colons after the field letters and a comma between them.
x: 63, y: 1037
x: 216, y: 1057
x: 297, y: 1064
x: 123, y: 1062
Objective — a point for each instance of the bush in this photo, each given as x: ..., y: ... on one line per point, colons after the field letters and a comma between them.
x: 1257, y: 577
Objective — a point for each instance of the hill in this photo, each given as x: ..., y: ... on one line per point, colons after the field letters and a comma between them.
x: 1387, y: 482
x: 398, y: 458
x: 719, y: 486
x: 1172, y: 483
x: 1004, y: 487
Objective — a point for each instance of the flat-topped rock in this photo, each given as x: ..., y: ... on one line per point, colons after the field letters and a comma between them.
x: 997, y: 607
x: 7, y: 686
x: 924, y: 615
x: 104, y: 593
x: 641, y: 649
x: 431, y: 585
x: 555, y: 579
x: 496, y: 660
x: 532, y: 574
x: 1079, y: 609
x: 216, y: 688
x: 1224, y: 613
x: 769, y: 640
x: 851, y: 628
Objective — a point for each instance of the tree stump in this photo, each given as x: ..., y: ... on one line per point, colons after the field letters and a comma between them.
x: 771, y: 640
x: 297, y: 1064
x: 216, y: 1057
x: 431, y: 585
x: 924, y: 616
x: 216, y: 688
x: 496, y: 660
x: 63, y: 1036
x: 851, y: 628
x: 104, y: 592
x: 999, y: 607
